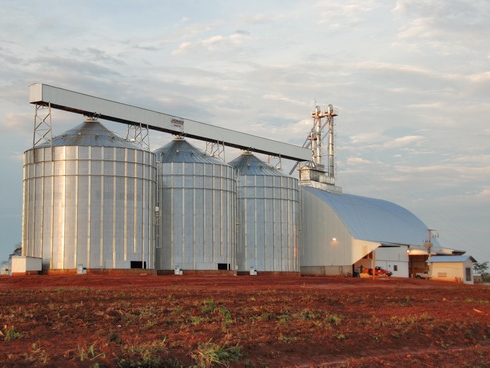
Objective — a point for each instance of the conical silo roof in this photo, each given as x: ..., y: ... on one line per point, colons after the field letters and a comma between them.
x: 248, y: 164
x: 179, y: 150
x: 89, y: 133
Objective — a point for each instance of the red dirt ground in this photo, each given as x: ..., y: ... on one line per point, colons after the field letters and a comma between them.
x: 241, y: 321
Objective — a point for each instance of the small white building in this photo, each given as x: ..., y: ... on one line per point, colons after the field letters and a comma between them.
x: 393, y: 258
x: 452, y: 268
x: 22, y: 265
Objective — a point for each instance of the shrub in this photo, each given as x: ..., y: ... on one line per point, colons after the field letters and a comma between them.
x: 209, y: 354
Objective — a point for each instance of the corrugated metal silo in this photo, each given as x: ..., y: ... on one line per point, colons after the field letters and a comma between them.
x: 268, y: 205
x: 197, y: 201
x: 89, y: 201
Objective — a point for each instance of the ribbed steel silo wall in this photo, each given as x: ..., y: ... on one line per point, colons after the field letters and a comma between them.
x: 89, y: 205
x: 268, y: 210
x: 197, y: 225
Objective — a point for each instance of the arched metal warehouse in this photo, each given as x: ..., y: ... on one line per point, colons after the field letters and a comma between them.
x: 341, y: 230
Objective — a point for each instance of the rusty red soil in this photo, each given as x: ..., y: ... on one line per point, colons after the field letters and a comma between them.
x: 141, y: 320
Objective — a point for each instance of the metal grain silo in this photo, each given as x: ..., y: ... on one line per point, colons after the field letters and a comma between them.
x: 89, y: 201
x: 268, y: 205
x: 197, y: 201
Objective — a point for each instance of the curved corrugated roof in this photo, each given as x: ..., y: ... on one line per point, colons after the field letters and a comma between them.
x: 179, y: 150
x: 90, y: 133
x: 375, y: 220
x: 248, y: 164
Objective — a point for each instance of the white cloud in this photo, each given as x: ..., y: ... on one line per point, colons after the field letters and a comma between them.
x: 445, y: 26
x: 357, y: 161
x: 15, y: 122
x: 282, y: 98
x: 484, y: 195
x: 367, y: 138
x: 212, y: 44
x: 330, y: 13
x: 183, y: 48
x: 412, y: 140
x: 257, y: 19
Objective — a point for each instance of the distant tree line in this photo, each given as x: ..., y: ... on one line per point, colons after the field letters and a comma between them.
x: 482, y: 269
x: 17, y: 252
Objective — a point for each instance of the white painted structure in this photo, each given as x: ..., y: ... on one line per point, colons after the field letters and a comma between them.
x: 394, y: 259
x: 22, y: 264
x: 339, y: 230
x: 452, y: 268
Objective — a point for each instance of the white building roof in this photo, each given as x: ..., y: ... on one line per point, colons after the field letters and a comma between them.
x: 375, y: 220
x: 451, y: 259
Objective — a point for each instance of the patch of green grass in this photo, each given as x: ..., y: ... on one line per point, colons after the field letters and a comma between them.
x: 282, y: 319
x: 307, y: 314
x: 196, y: 320
x: 226, y: 316
x: 287, y: 339
x: 341, y: 337
x: 332, y: 319
x: 178, y: 311
x: 146, y: 355
x: 9, y: 333
x: 405, y: 301
x: 267, y: 316
x: 89, y: 353
x: 36, y: 354
x: 209, y: 354
x: 208, y: 306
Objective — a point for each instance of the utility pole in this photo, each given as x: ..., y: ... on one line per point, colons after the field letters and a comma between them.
x: 428, y: 243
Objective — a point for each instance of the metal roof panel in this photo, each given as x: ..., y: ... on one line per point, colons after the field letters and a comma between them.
x: 249, y: 164
x: 375, y: 220
x: 89, y: 133
x: 450, y: 259
x: 179, y: 150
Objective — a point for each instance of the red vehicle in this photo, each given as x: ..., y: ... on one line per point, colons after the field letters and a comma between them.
x: 378, y: 271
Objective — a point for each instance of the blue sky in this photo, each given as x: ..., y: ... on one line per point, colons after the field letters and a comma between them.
x: 410, y: 79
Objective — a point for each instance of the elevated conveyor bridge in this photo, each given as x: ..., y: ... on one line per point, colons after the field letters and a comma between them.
x: 46, y: 97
